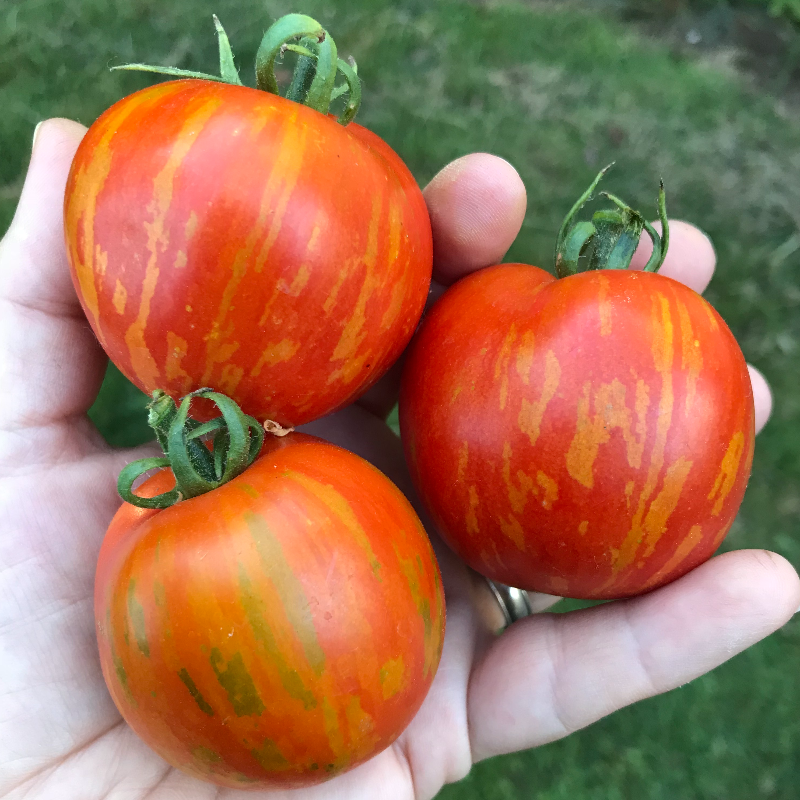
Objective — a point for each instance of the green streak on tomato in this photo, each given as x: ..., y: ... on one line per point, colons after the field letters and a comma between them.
x: 411, y: 571
x: 121, y: 674
x: 122, y: 677
x: 238, y: 683
x: 295, y: 602
x: 136, y: 614
x: 195, y: 692
x: 290, y: 678
x: 206, y: 754
x: 249, y: 490
x: 269, y: 756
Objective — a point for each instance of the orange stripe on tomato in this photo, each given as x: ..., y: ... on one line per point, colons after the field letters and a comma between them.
x: 531, y: 414
x: 665, y: 502
x: 286, y: 156
x: 610, y: 411
x: 524, y: 360
x: 337, y: 504
x: 501, y: 365
x: 353, y: 334
x: 81, y: 210
x: 471, y: 517
x: 691, y: 356
x: 512, y: 530
x: 177, y: 347
x: 662, y: 349
x: 120, y: 297
x: 142, y: 362
x: 682, y: 552
x: 400, y: 284
x: 517, y: 496
x: 728, y: 472
x: 275, y: 353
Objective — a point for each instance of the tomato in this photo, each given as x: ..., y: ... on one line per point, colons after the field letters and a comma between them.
x: 277, y: 630
x: 589, y: 436
x: 228, y: 237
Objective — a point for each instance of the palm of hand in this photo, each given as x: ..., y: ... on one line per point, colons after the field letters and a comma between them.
x: 60, y: 734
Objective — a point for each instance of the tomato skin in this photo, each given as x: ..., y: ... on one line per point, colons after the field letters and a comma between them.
x: 276, y: 631
x: 223, y: 236
x: 588, y: 437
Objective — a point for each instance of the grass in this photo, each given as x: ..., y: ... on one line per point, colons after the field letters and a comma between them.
x: 559, y: 90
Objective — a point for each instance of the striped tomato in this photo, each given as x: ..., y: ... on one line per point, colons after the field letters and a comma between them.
x: 589, y: 436
x: 229, y: 237
x: 277, y: 630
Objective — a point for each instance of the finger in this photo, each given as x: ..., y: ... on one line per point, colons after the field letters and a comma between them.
x: 762, y: 397
x: 690, y: 255
x: 550, y: 674
x: 52, y: 365
x: 476, y: 204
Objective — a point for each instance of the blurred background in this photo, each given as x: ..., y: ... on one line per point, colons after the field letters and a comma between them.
x: 705, y: 94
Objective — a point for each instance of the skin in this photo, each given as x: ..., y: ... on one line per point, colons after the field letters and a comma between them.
x: 60, y: 734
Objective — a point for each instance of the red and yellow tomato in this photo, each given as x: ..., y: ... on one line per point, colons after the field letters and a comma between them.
x: 227, y: 237
x: 588, y: 437
x: 276, y: 631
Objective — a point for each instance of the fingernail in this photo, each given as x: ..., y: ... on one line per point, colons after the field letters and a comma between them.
x: 35, y: 134
x: 798, y: 611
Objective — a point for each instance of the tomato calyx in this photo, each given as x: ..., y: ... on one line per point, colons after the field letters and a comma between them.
x: 611, y: 238
x: 235, y: 440
x: 314, y: 79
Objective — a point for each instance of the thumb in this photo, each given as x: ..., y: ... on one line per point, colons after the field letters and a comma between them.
x: 50, y: 363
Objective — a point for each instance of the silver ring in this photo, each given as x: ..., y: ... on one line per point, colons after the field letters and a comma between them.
x: 514, y: 603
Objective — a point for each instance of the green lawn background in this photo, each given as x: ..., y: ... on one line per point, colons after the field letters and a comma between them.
x: 559, y: 89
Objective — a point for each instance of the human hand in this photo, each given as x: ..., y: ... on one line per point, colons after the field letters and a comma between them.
x: 548, y: 675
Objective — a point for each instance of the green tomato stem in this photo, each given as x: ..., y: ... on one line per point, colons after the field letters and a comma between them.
x: 611, y: 238
x: 321, y: 89
x: 563, y: 267
x: 313, y: 81
x: 305, y: 70
x: 237, y: 440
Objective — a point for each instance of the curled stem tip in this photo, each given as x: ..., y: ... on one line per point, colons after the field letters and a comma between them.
x: 236, y: 439
x: 318, y: 64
